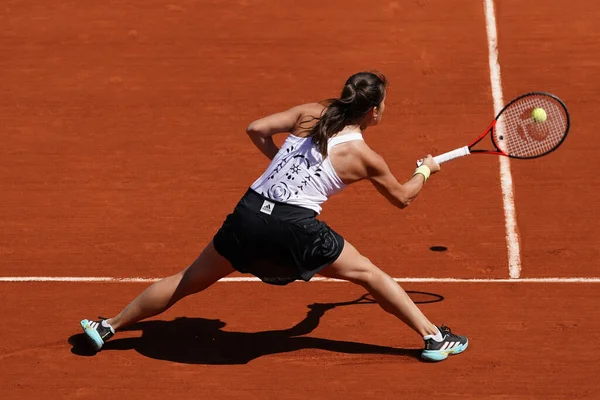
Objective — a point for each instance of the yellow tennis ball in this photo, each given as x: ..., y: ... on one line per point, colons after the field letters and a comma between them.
x: 539, y: 114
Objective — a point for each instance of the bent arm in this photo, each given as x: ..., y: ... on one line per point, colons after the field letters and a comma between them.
x: 262, y: 130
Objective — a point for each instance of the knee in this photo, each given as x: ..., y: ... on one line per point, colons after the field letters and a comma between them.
x: 364, y: 273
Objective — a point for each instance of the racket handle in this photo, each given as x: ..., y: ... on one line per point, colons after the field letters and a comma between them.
x: 451, y: 155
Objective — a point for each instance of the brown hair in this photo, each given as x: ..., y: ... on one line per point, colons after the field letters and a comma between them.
x: 361, y: 93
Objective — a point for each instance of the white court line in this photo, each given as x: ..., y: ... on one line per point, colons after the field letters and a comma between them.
x: 112, y: 279
x: 512, y: 237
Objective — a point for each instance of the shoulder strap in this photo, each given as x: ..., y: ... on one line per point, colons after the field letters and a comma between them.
x: 334, y: 141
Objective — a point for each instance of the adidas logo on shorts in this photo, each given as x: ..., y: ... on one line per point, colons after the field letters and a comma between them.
x: 267, y: 207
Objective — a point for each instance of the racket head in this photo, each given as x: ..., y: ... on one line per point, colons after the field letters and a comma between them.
x: 518, y: 135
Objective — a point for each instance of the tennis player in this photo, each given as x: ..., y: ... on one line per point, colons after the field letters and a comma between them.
x: 273, y: 232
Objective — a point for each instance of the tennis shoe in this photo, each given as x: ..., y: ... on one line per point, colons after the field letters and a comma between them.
x: 451, y: 344
x: 96, y: 333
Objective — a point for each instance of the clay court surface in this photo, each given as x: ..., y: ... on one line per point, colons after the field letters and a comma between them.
x: 124, y: 149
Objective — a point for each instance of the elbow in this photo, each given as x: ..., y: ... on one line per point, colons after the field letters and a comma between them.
x: 402, y: 200
x: 403, y: 203
x: 251, y: 129
x: 405, y: 195
x: 254, y: 129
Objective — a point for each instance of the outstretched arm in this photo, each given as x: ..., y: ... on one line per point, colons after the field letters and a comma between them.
x: 367, y: 164
x: 400, y: 195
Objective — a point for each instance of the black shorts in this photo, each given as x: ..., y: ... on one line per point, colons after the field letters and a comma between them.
x: 286, y: 245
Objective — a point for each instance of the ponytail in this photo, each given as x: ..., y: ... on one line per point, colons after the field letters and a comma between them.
x: 361, y: 93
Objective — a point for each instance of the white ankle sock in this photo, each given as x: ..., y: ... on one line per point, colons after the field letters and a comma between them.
x: 437, y: 337
x: 106, y: 324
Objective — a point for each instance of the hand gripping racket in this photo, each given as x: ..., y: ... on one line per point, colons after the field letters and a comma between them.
x: 530, y: 126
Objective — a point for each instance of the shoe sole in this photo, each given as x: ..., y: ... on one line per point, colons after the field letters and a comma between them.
x: 440, y: 355
x: 92, y: 335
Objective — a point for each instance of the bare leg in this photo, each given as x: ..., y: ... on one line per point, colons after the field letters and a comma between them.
x: 208, y: 268
x: 354, y: 267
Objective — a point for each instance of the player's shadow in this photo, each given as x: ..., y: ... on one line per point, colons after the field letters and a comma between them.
x: 203, y: 341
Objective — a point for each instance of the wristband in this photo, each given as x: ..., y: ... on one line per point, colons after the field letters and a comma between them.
x: 423, y: 170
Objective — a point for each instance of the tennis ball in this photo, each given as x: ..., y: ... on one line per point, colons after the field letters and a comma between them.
x: 538, y: 114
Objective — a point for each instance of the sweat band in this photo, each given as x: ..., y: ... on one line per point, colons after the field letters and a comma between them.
x: 423, y: 170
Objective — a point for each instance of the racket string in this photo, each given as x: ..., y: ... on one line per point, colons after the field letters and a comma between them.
x: 519, y: 134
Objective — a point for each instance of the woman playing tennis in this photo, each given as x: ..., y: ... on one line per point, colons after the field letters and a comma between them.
x: 273, y: 232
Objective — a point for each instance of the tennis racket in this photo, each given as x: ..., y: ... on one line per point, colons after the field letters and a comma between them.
x: 520, y: 132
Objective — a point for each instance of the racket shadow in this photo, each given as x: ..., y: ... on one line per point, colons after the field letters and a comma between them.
x: 204, y: 341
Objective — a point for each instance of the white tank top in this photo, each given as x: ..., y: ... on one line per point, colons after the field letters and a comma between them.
x: 300, y: 175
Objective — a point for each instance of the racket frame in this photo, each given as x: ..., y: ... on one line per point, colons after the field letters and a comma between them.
x: 492, y: 126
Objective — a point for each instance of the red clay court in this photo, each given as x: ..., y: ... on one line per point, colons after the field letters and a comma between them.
x: 124, y: 149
